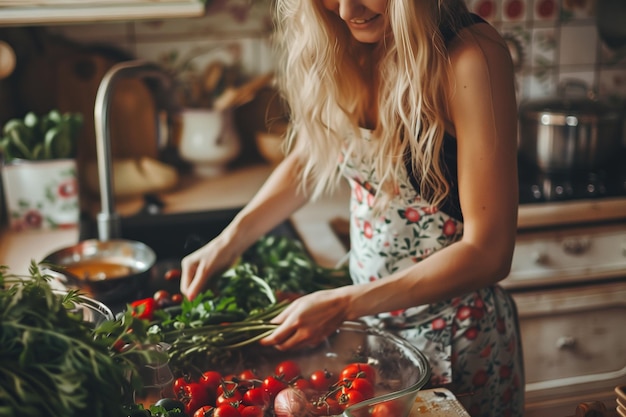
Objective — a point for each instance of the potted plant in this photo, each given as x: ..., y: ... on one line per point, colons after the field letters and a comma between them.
x: 39, y: 170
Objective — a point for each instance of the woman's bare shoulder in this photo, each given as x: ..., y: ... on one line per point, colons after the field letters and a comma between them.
x: 479, y: 48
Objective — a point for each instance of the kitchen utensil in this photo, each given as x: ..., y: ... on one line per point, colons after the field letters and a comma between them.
x: 236, y: 96
x: 106, y: 270
x: 570, y: 132
x: 401, y: 369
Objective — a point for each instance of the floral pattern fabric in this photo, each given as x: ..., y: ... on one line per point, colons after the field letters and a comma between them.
x: 472, y: 342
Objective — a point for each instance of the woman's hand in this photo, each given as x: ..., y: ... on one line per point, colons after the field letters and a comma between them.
x: 199, y: 266
x: 308, y: 320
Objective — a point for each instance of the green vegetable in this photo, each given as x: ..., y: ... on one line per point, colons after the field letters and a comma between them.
x: 51, y: 136
x: 53, y: 363
x: 238, y: 311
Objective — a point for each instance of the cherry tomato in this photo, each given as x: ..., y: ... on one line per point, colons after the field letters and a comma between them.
x: 321, y: 380
x: 326, y: 407
x: 194, y: 396
x: 302, y: 384
x: 287, y: 370
x: 226, y: 410
x: 204, y: 411
x: 252, y: 411
x: 348, y: 398
x: 386, y: 409
x: 247, y: 375
x: 177, y: 298
x: 358, y: 370
x: 362, y: 385
x: 210, y: 380
x: 256, y: 396
x: 229, y: 397
x: 172, y: 274
x: 273, y: 386
x: 179, y: 383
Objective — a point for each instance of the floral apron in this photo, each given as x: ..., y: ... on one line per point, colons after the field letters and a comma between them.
x: 472, y: 342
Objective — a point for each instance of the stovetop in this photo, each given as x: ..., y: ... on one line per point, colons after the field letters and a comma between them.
x: 608, y: 181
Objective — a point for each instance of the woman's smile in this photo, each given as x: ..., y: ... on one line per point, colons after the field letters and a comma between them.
x: 363, y: 18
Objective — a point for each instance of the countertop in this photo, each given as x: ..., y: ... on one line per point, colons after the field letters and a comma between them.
x: 312, y: 222
x: 231, y: 190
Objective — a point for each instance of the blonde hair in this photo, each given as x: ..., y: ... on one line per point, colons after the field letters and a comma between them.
x: 322, y: 79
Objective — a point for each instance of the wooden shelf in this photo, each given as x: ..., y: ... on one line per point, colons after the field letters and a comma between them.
x: 41, y: 12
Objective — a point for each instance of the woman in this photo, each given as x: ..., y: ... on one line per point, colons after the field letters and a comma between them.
x: 413, y: 102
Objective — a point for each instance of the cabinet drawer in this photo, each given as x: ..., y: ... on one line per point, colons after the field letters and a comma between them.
x: 573, y: 338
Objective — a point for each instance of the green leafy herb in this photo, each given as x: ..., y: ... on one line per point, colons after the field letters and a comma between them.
x: 53, y: 363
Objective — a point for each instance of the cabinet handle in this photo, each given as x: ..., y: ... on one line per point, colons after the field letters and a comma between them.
x: 576, y: 246
x: 566, y: 342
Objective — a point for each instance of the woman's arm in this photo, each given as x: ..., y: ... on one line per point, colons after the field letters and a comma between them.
x: 483, y: 113
x: 277, y: 199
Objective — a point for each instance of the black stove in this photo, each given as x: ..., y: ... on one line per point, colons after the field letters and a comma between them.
x: 536, y: 186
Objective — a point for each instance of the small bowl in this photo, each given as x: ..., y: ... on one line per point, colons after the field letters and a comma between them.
x: 402, y: 370
x: 106, y: 270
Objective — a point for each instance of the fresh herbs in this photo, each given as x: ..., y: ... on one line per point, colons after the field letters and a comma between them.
x: 51, y: 136
x: 53, y: 363
x: 238, y: 311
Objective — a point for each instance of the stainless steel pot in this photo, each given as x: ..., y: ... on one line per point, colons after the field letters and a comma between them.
x: 571, y: 132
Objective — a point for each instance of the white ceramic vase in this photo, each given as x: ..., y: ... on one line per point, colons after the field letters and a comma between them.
x: 208, y: 140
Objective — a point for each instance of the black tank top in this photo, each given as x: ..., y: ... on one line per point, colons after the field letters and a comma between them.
x: 451, y: 204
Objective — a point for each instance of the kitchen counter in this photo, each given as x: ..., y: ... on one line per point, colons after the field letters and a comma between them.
x: 312, y: 222
x: 233, y: 189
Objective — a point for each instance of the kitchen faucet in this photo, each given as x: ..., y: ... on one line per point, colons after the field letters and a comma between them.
x: 108, y: 220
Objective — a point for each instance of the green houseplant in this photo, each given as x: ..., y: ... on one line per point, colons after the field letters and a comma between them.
x: 51, y: 136
x: 39, y: 171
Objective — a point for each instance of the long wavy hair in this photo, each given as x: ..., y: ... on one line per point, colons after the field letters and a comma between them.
x: 329, y: 80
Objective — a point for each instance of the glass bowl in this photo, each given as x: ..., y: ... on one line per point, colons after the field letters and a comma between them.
x: 402, y: 370
x: 92, y: 311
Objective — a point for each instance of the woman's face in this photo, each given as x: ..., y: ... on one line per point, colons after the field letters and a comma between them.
x: 364, y: 18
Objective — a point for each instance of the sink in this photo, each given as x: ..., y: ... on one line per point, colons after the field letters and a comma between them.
x: 172, y: 236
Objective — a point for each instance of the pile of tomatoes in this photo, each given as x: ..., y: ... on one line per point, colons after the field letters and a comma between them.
x: 286, y: 392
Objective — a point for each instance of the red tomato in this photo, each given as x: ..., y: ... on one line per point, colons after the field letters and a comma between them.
x: 358, y: 370
x: 226, y: 410
x: 204, y: 411
x: 252, y: 411
x: 302, y: 384
x: 172, y: 274
x: 326, y: 407
x: 321, y: 380
x: 362, y: 385
x: 256, y: 396
x: 177, y: 298
x: 229, y: 397
x: 210, y: 380
x: 194, y: 396
x: 273, y: 386
x: 179, y: 383
x: 348, y: 398
x: 386, y: 409
x: 287, y: 371
x: 247, y: 375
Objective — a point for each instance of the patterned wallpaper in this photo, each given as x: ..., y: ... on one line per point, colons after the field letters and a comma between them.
x: 551, y: 40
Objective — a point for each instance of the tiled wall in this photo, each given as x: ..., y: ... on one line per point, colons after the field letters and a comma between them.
x: 551, y: 40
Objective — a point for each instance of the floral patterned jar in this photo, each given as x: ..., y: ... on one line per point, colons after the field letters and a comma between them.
x: 41, y: 194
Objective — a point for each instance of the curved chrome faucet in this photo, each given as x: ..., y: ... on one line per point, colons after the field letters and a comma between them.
x: 109, y: 224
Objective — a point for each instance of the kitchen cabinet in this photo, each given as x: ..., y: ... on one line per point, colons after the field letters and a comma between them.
x: 44, y: 12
